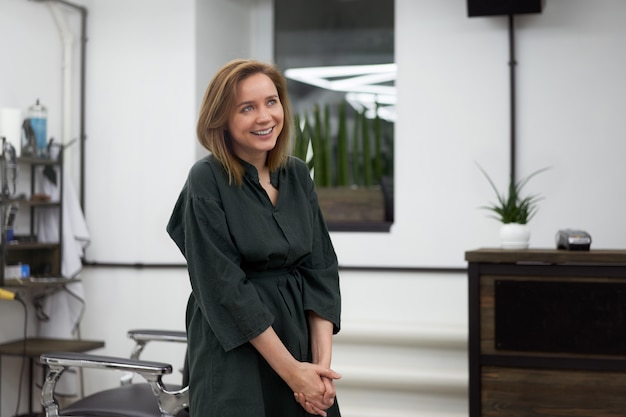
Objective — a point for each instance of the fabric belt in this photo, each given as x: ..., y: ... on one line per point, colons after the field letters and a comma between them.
x: 270, y: 272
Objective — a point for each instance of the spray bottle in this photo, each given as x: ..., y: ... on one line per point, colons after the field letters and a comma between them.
x: 38, y: 118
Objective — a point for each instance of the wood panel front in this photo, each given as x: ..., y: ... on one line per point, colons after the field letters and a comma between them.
x: 487, y: 312
x: 514, y: 392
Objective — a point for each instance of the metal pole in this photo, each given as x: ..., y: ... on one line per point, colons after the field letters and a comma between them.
x: 512, y: 66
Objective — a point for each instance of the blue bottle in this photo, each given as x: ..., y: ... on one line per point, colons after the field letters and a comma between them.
x: 38, y: 116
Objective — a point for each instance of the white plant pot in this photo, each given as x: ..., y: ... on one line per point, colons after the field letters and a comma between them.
x: 514, y: 236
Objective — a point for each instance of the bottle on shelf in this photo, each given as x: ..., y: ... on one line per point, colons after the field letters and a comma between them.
x: 34, y: 131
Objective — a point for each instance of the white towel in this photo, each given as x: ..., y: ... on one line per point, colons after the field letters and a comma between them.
x: 75, y: 236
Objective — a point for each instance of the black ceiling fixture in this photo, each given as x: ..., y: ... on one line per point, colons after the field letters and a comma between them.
x: 481, y: 8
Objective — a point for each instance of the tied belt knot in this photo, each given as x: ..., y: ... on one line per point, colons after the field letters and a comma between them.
x: 268, y: 273
x: 290, y: 277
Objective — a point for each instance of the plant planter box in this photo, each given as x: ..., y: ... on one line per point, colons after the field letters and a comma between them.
x: 352, y: 205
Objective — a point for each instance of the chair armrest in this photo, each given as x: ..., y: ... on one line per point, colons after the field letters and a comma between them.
x: 87, y: 360
x: 58, y: 362
x: 148, y: 335
x: 143, y: 336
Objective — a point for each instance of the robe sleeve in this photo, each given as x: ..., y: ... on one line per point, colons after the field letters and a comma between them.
x: 228, y: 301
x: 321, y: 292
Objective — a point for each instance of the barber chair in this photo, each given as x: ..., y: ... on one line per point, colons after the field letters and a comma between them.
x: 146, y: 399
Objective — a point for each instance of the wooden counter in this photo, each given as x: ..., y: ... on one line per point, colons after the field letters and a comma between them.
x: 547, y: 333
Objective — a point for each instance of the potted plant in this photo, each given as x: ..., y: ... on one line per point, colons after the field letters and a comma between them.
x: 514, y: 211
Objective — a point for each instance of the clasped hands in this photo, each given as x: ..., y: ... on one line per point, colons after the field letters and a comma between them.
x: 315, y: 391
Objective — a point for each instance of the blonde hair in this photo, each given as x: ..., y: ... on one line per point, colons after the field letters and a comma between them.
x: 219, y: 102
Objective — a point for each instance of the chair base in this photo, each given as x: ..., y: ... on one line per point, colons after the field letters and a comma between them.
x: 134, y: 400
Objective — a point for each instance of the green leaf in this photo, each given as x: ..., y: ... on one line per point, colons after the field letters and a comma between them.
x: 512, y: 207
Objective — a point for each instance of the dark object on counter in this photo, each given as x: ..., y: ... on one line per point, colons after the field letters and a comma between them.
x: 571, y: 239
x: 40, y: 197
x: 29, y: 141
x: 25, y: 238
x: 49, y: 171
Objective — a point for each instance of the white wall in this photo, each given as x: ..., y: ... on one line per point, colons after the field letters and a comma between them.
x: 141, y: 115
x: 149, y: 62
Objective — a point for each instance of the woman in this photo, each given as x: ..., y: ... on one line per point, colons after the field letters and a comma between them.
x: 265, y: 296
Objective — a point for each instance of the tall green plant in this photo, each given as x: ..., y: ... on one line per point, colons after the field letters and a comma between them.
x: 378, y: 154
x: 356, y: 150
x: 343, y: 167
x: 343, y: 156
x: 302, y: 138
x: 368, y: 177
x: 328, y: 148
x: 317, y: 141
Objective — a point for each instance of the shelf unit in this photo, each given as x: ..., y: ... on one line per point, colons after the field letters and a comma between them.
x: 43, y: 258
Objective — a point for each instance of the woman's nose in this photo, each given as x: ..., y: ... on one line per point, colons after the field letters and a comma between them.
x: 264, y: 114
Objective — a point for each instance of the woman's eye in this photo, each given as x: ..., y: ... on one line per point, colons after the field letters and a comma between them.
x: 272, y: 102
x: 247, y: 109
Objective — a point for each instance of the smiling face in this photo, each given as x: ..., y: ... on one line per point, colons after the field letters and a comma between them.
x: 257, y: 119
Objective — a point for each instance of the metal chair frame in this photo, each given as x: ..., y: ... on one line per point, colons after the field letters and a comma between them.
x: 170, y: 402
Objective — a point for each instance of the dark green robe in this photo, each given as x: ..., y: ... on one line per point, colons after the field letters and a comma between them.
x: 252, y: 265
